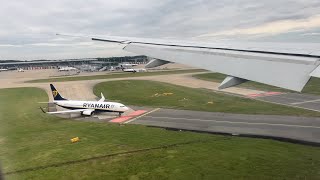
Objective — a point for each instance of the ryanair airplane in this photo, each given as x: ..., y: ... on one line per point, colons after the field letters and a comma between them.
x: 85, y: 107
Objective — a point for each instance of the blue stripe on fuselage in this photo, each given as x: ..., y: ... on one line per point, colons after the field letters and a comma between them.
x: 96, y: 110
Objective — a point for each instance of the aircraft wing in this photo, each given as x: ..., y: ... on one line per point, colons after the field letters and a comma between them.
x: 63, y: 112
x: 286, y: 65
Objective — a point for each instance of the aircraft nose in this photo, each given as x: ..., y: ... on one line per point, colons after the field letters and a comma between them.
x: 123, y: 107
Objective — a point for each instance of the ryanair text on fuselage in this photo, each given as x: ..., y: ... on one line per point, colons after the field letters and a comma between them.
x: 98, y: 105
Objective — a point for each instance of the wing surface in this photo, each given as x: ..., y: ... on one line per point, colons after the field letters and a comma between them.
x: 67, y: 111
x: 286, y: 65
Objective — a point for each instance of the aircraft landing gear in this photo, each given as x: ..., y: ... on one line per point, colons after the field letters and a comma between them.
x: 120, y: 114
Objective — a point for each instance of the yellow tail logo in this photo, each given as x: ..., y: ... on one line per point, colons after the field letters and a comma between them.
x: 54, y: 93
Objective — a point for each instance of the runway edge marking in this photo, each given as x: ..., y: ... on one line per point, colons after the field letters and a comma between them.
x: 154, y: 110
x: 126, y: 118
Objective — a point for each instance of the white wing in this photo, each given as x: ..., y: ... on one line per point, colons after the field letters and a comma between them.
x: 67, y: 111
x: 286, y: 65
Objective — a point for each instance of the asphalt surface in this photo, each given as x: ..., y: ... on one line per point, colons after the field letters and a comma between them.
x: 306, y: 101
x: 301, y: 129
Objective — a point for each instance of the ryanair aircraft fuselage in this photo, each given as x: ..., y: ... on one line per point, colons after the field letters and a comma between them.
x: 103, y: 106
x: 85, y: 107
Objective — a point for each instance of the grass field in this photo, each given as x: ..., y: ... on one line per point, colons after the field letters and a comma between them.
x: 217, y: 77
x: 312, y: 87
x: 34, y: 145
x: 150, y: 93
x: 114, y: 75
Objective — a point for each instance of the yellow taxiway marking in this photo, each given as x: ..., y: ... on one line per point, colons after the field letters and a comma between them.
x: 154, y: 110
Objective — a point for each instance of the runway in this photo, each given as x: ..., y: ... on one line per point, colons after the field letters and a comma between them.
x: 290, y: 128
x: 304, y: 101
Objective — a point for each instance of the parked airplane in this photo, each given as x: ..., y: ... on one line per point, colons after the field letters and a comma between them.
x: 3, y: 70
x: 67, y: 68
x: 126, y: 65
x: 20, y: 70
x: 134, y: 70
x: 87, y: 108
x: 286, y: 65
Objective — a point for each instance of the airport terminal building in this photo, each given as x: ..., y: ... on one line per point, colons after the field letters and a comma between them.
x: 85, y: 63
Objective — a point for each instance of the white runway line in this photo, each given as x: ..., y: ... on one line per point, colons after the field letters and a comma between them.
x: 289, y: 105
x: 302, y: 102
x: 233, y: 122
x: 154, y: 110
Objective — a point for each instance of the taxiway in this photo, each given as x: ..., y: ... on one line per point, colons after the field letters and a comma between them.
x: 289, y: 128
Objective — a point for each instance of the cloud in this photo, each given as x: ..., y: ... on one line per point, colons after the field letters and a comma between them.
x: 311, y: 34
x: 9, y: 45
x: 91, y: 43
x: 28, y: 28
x: 63, y: 39
x: 272, y: 28
x: 27, y: 52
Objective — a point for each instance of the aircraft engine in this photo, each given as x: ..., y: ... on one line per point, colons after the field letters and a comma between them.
x: 87, y: 112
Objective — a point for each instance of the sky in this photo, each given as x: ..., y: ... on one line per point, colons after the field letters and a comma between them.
x: 28, y: 28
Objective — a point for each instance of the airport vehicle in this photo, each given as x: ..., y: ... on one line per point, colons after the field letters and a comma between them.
x: 67, y: 68
x: 87, y: 108
x: 3, y: 69
x: 20, y: 70
x: 112, y: 68
x: 286, y: 65
x: 127, y: 67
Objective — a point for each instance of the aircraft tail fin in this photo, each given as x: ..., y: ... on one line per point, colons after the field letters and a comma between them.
x: 55, y: 94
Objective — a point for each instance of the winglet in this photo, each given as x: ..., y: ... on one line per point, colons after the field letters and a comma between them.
x: 102, y: 98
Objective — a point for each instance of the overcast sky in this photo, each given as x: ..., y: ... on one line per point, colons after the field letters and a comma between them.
x: 28, y: 28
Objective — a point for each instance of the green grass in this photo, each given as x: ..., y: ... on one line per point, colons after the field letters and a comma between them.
x: 142, y: 93
x: 312, y: 87
x: 115, y: 75
x: 31, y: 139
x: 217, y: 77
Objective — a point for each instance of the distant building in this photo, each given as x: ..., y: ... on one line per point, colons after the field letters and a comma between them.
x: 93, y: 63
